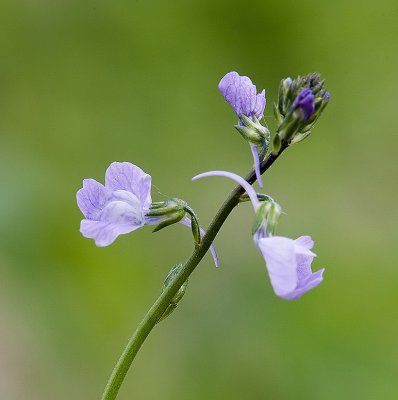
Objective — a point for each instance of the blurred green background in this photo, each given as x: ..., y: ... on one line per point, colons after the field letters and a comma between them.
x: 87, y: 83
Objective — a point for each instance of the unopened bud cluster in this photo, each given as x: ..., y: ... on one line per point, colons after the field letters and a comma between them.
x: 300, y: 103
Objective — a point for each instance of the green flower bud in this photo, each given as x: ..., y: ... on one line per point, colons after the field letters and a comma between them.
x: 273, y: 215
x: 179, y: 295
x: 253, y: 131
x: 300, y: 103
x: 267, y: 217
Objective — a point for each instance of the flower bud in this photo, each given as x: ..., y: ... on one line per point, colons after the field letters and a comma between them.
x: 253, y: 131
x: 274, y: 213
x: 284, y: 95
x: 179, y: 295
x: 266, y: 218
x: 300, y: 103
x: 305, y: 103
x: 260, y: 217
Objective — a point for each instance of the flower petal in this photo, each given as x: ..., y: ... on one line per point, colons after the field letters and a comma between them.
x: 246, y: 96
x: 241, y: 94
x: 303, y: 262
x: 259, y: 107
x: 304, y: 286
x: 229, y: 88
x: 305, y: 241
x: 127, y: 176
x: 280, y: 258
x: 91, y: 198
x: 104, y: 233
x: 123, y: 212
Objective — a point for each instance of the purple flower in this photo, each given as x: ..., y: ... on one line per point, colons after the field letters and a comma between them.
x: 120, y: 206
x: 117, y: 208
x: 288, y: 261
x: 306, y: 102
x: 289, y: 265
x: 242, y: 95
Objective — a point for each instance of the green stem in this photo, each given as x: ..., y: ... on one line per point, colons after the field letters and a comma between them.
x: 159, y: 307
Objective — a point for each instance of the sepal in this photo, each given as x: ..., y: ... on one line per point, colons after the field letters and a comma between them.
x: 274, y: 213
x: 172, y: 211
x: 276, y: 144
x: 267, y: 217
x: 253, y: 131
x: 260, y: 217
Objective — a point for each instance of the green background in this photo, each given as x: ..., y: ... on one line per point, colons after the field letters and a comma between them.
x: 85, y: 83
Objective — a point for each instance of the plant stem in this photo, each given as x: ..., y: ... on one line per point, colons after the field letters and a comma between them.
x: 158, y: 308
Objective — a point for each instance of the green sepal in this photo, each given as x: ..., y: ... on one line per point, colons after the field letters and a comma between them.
x: 273, y: 214
x: 260, y: 216
x: 299, y: 137
x: 253, y: 131
x: 195, y: 230
x: 276, y: 144
x: 167, y: 207
x: 249, y: 134
x: 174, y: 210
x: 173, y: 218
x: 194, y: 224
x: 277, y: 114
x: 290, y: 125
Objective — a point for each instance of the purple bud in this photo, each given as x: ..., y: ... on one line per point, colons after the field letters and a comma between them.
x: 306, y: 102
x: 242, y: 95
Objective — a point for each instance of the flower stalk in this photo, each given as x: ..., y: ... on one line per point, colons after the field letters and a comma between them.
x: 156, y: 312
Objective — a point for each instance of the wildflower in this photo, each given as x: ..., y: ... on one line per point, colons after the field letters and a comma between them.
x: 242, y: 95
x: 117, y: 208
x: 124, y: 204
x: 289, y: 265
x: 249, y: 106
x: 288, y: 261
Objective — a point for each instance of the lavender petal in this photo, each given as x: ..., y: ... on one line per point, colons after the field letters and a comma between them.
x: 91, y: 198
x: 129, y: 177
x: 104, y: 233
x: 281, y: 263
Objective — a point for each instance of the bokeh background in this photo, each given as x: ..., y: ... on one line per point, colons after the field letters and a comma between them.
x: 87, y: 83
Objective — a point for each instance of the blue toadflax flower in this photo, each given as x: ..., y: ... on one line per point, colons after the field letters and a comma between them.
x: 289, y: 265
x: 242, y: 95
x: 117, y: 208
x: 288, y: 261
x: 121, y: 205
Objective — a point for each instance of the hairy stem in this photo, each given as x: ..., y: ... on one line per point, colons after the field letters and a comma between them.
x: 159, y: 307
